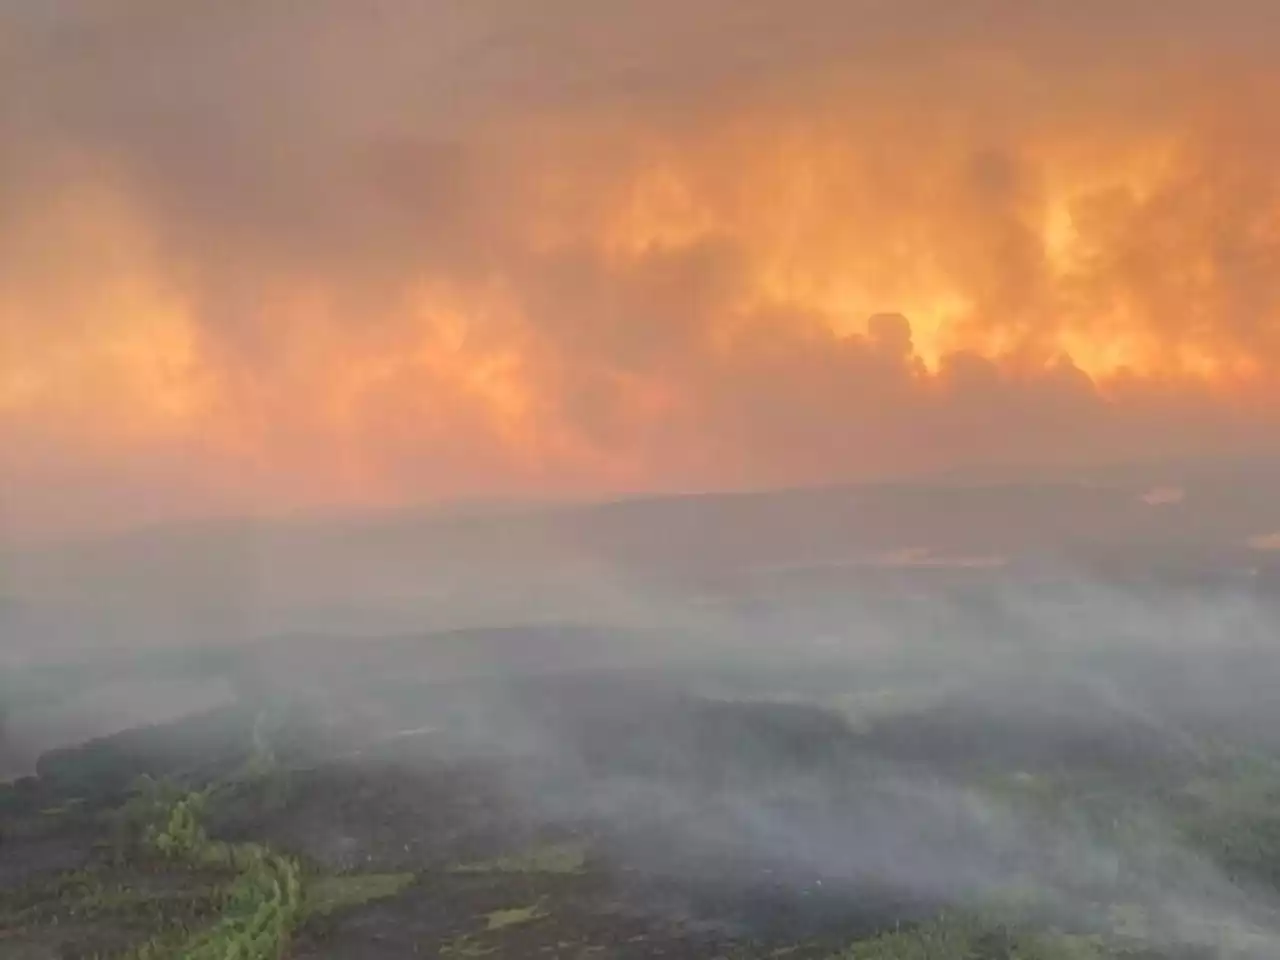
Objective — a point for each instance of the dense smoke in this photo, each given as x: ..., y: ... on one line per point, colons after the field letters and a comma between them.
x: 290, y: 255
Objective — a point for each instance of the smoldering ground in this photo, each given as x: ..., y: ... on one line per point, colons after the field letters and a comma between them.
x: 800, y: 713
x: 987, y: 763
x: 1060, y: 750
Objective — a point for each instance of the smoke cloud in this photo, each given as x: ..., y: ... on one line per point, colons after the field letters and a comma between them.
x: 290, y: 255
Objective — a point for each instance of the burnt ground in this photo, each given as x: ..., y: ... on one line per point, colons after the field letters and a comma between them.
x: 629, y: 816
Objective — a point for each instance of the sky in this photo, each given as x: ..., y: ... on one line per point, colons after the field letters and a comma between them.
x: 276, y: 255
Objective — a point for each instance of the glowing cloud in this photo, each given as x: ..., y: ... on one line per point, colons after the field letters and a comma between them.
x: 340, y: 260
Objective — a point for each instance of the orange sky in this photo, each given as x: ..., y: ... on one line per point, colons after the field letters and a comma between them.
x: 285, y: 257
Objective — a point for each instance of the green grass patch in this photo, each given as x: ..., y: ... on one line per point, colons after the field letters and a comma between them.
x: 71, y: 806
x: 501, y: 919
x: 963, y: 938
x: 569, y: 857
x: 328, y: 894
x: 475, y: 945
x: 464, y: 948
x: 262, y: 906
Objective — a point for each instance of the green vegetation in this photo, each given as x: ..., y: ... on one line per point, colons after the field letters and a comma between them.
x: 465, y: 948
x: 569, y: 857
x: 1234, y: 816
x: 501, y: 919
x: 89, y: 895
x: 262, y: 907
x: 961, y: 938
x: 496, y: 922
x: 326, y: 895
x: 158, y: 879
x: 161, y: 882
x: 976, y: 937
